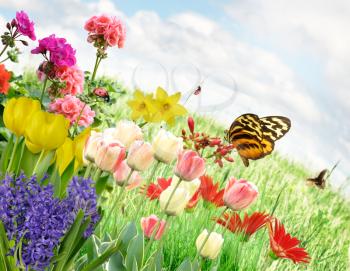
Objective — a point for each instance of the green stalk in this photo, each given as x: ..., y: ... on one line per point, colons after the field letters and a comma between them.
x: 87, y: 171
x: 4, y: 49
x: 13, y: 154
x: 38, y: 161
x: 43, y: 90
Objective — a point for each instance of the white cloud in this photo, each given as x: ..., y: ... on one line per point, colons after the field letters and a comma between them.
x: 267, y: 86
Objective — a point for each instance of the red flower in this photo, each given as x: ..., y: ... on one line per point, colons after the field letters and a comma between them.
x: 4, y: 79
x: 194, y: 200
x: 153, y: 191
x: 209, y: 191
x: 283, y: 245
x: 248, y: 226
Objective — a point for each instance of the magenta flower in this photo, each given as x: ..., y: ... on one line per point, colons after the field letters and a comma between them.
x: 73, y: 109
x: 61, y: 52
x: 24, y: 25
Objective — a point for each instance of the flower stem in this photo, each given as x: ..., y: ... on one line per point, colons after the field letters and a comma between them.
x: 97, y: 64
x: 97, y: 174
x: 13, y: 154
x: 87, y: 171
x: 207, y: 238
x: 2, y: 61
x: 4, y: 49
x: 43, y: 90
x: 38, y: 161
x: 171, y: 195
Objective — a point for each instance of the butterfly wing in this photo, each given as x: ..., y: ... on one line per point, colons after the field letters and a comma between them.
x: 245, y: 134
x: 273, y: 128
x: 320, y: 180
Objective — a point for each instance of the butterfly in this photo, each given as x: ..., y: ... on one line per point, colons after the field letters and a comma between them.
x: 320, y: 180
x: 255, y: 137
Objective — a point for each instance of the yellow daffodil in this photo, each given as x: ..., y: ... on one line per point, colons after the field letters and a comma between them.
x: 71, y: 149
x: 45, y: 131
x: 168, y: 107
x: 18, y: 112
x: 142, y: 106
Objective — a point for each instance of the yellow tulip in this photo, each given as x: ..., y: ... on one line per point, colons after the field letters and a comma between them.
x: 64, y: 155
x: 45, y: 131
x: 18, y: 112
x: 71, y: 149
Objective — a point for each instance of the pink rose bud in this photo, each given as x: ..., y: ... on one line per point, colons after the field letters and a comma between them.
x: 150, y: 225
x: 189, y: 165
x: 109, y: 155
x: 140, y: 155
x: 239, y: 194
x: 190, y: 123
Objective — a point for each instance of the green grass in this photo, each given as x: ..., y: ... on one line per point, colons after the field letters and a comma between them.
x: 319, y: 218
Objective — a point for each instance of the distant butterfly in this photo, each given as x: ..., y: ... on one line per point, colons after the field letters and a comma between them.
x: 255, y: 137
x: 320, y: 180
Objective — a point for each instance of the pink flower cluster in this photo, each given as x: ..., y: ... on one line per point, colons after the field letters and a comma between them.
x: 73, y: 77
x: 24, y: 25
x: 73, y: 109
x: 107, y: 29
x: 61, y: 53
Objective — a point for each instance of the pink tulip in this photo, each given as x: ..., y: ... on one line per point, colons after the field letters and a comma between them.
x: 140, y: 155
x: 239, y: 194
x: 121, y: 174
x: 151, y: 224
x: 189, y: 165
x: 109, y: 155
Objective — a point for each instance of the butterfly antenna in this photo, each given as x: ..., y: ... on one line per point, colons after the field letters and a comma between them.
x: 333, y: 168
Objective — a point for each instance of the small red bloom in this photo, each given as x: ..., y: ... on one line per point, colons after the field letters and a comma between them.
x: 190, y: 123
x: 209, y: 191
x: 153, y: 191
x: 4, y: 79
x: 194, y: 200
x: 283, y: 245
x: 248, y: 226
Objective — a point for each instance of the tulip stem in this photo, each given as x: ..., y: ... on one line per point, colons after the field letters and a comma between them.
x: 43, y: 90
x: 207, y: 237
x: 97, y: 174
x: 171, y: 195
x: 13, y: 154
x: 87, y: 171
x: 38, y: 161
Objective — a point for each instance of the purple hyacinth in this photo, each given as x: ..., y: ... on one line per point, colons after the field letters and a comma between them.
x: 24, y: 25
x: 61, y: 53
x: 31, y: 211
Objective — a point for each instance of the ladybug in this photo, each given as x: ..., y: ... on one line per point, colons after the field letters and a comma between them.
x: 198, y: 90
x: 102, y: 93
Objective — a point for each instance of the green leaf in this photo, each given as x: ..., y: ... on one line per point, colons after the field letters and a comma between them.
x: 127, y: 234
x: 135, y: 265
x: 156, y: 261
x: 196, y: 266
x: 185, y: 266
x: 7, y: 263
x: 65, y: 178
x: 28, y: 161
x: 19, y: 155
x: 69, y: 241
x: 5, y: 156
x: 101, y: 184
x: 44, y: 164
x: 135, y: 252
x: 116, y: 262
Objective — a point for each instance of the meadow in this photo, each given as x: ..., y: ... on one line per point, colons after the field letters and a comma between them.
x: 320, y: 218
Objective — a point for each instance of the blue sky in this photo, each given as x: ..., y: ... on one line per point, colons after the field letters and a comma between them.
x: 286, y: 57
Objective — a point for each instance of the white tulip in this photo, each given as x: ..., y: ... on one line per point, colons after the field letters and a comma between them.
x: 177, y: 203
x: 212, y: 246
x: 191, y: 186
x: 126, y: 132
x: 166, y: 146
x: 90, y: 148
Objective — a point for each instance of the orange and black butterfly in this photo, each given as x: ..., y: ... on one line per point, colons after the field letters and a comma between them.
x: 320, y: 180
x: 255, y: 137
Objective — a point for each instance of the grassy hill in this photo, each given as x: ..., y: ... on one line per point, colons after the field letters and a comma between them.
x: 320, y: 218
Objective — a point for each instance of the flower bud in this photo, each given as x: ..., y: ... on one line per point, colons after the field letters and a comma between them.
x: 109, y: 155
x: 190, y: 123
x: 126, y: 132
x: 239, y: 194
x: 212, y: 246
x: 189, y: 165
x: 177, y: 203
x: 140, y: 155
x: 166, y: 146
x: 152, y: 224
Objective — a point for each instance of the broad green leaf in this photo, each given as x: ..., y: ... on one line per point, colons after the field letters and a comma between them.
x: 5, y: 156
x: 127, y: 234
x: 116, y: 262
x: 101, y: 184
x: 185, y: 266
x: 135, y: 252
x: 66, y: 178
x: 196, y: 266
